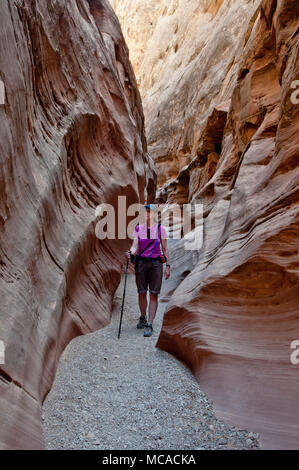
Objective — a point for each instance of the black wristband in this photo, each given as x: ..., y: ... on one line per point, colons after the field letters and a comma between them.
x: 168, y: 265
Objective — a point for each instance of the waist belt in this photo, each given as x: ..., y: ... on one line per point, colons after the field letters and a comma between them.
x: 144, y: 259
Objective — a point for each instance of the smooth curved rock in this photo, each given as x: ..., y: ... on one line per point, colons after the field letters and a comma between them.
x: 234, y: 316
x: 186, y: 56
x: 71, y: 137
x: 138, y: 20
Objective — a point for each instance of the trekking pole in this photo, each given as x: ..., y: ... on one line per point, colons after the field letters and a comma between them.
x: 122, y: 305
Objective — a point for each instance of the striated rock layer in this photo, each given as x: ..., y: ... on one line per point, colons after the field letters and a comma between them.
x: 138, y: 20
x: 186, y: 56
x: 71, y: 137
x: 234, y: 312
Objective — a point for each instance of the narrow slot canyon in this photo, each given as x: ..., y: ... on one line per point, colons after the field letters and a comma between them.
x: 165, y: 102
x: 119, y: 394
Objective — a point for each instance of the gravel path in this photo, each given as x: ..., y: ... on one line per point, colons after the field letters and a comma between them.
x: 126, y: 394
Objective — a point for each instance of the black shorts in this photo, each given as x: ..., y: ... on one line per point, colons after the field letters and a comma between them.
x: 149, y: 274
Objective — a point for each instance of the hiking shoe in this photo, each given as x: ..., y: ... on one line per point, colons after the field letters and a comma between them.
x: 148, y: 330
x: 142, y: 322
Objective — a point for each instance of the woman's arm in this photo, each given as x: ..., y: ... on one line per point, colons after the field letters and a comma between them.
x: 134, y: 246
x: 133, y: 249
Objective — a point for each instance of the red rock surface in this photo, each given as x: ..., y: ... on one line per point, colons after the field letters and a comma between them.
x: 235, y: 313
x: 71, y: 137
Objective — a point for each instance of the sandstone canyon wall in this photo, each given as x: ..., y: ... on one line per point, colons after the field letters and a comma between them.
x: 234, y: 312
x: 218, y: 82
x: 186, y: 64
x: 72, y: 137
x: 138, y: 20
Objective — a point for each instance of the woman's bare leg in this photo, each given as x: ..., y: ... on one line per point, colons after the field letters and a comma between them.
x: 153, y: 305
x: 142, y: 300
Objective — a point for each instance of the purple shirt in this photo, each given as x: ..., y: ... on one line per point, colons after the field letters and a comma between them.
x: 153, y: 250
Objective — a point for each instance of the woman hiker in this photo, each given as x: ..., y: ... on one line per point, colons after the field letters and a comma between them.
x: 149, y: 266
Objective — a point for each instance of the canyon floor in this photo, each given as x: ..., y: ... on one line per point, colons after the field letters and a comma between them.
x: 116, y: 394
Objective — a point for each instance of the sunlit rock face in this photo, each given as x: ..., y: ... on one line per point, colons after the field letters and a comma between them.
x: 186, y: 55
x: 233, y: 309
x: 138, y: 20
x: 219, y: 81
x: 71, y: 137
